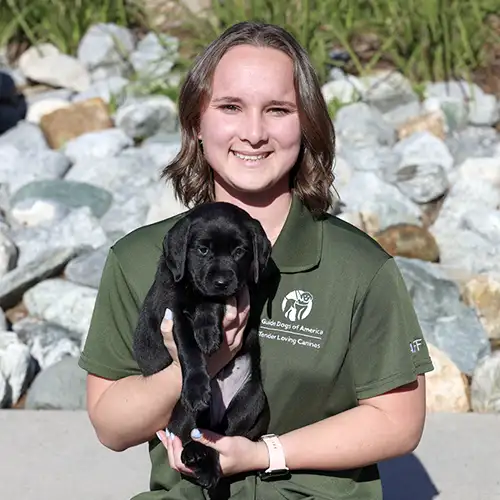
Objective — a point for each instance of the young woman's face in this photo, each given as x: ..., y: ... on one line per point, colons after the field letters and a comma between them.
x: 250, y: 129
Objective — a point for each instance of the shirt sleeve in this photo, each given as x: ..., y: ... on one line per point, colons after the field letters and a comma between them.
x: 388, y: 348
x: 108, y: 350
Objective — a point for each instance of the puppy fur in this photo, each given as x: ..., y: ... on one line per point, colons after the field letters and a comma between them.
x: 209, y: 255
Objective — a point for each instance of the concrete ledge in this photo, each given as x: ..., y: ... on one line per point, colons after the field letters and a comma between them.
x: 55, y: 455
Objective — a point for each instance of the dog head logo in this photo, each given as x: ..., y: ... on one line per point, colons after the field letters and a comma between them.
x: 297, y: 305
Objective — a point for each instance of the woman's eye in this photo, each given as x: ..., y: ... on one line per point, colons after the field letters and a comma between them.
x: 203, y: 250
x: 279, y: 111
x: 229, y: 107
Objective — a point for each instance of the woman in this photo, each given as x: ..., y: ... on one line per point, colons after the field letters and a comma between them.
x: 343, y: 357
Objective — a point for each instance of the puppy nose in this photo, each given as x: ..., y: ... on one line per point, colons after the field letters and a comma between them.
x: 221, y: 282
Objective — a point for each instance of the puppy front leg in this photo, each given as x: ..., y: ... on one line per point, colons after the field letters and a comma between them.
x: 196, y: 392
x: 207, y: 326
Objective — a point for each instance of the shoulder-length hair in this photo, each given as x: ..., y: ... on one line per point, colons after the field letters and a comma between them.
x: 312, y: 177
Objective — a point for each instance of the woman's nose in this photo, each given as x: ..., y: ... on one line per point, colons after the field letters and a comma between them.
x: 254, y: 129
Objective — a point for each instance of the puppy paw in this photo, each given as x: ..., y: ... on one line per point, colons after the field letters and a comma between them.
x: 196, y: 393
x: 204, y: 462
x: 208, y: 339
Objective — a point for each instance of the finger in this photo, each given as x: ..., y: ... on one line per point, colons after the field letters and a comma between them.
x: 231, y: 312
x: 207, y: 438
x: 167, y: 324
x: 170, y: 453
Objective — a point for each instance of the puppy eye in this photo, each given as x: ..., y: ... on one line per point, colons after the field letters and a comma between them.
x: 238, y: 252
x: 203, y: 250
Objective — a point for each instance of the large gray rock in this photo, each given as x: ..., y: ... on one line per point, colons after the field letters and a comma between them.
x: 446, y: 321
x: 87, y: 268
x: 61, y: 386
x: 48, y: 343
x: 94, y: 145
x: 107, y: 89
x: 20, y: 167
x: 47, y: 264
x: 141, y: 117
x: 64, y: 303
x: 25, y: 136
x: 71, y: 194
x: 485, y: 387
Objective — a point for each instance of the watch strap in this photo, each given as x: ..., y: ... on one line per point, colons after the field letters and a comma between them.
x: 277, y: 462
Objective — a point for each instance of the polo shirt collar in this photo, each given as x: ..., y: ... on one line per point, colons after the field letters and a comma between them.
x: 298, y: 246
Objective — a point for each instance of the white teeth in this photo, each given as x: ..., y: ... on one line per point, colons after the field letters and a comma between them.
x: 249, y: 157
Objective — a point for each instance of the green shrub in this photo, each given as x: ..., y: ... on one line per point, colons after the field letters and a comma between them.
x: 62, y: 22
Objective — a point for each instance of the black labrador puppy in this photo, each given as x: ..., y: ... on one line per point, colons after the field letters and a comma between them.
x: 209, y: 255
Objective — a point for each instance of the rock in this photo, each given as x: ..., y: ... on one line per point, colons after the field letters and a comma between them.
x: 79, y: 118
x: 422, y: 183
x: 14, y: 284
x: 483, y: 293
x: 48, y: 95
x: 16, y: 364
x: 369, y: 158
x: 100, y: 144
x: 3, y: 321
x: 403, y: 113
x: 429, y: 122
x: 367, y: 193
x: 45, y: 64
x: 107, y: 89
x: 446, y: 321
x: 467, y: 228
x: 407, y: 240
x: 367, y: 222
x: 155, y: 56
x: 12, y: 103
x: 342, y: 91
x: 163, y: 203
x: 423, y: 148
x: 78, y: 230
x: 44, y: 107
x: 33, y: 212
x: 360, y: 125
x: 446, y: 389
x: 482, y: 108
x: 59, y: 301
x: 143, y: 117
x: 61, y: 386
x: 106, y: 46
x: 87, y: 268
x: 8, y: 254
x: 485, y: 387
x: 20, y: 167
x: 48, y: 343
x: 24, y: 136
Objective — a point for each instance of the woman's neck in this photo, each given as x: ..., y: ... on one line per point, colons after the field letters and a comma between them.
x: 271, y: 210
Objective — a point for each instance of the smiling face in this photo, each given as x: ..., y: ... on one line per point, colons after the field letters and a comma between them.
x: 250, y: 128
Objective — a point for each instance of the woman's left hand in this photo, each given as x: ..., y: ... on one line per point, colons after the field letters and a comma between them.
x: 236, y: 454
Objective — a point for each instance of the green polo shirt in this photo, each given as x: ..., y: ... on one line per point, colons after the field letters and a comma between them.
x: 337, y: 326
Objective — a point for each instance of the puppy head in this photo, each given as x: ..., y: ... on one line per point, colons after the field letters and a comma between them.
x: 219, y: 248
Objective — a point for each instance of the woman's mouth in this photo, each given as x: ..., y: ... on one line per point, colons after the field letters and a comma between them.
x: 251, y: 157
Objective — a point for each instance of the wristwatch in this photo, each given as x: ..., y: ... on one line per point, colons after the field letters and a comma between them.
x: 277, y: 465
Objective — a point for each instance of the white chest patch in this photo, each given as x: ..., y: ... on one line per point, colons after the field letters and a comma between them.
x: 227, y: 384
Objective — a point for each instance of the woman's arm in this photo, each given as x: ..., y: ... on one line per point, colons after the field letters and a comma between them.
x: 380, y: 428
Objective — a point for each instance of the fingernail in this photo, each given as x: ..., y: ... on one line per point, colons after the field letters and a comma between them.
x: 158, y: 435
x: 168, y: 314
x: 172, y: 436
x: 195, y: 434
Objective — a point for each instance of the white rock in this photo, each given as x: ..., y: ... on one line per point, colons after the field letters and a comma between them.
x: 35, y: 212
x: 342, y: 90
x: 485, y: 387
x: 15, y: 363
x: 40, y: 108
x: 45, y: 64
x: 62, y: 302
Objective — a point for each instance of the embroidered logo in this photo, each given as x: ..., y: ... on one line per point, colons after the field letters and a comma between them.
x: 297, y: 305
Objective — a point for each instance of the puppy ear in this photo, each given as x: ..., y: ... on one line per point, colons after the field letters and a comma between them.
x: 176, y: 247
x: 261, y: 249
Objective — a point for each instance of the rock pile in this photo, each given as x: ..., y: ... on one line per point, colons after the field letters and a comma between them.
x: 421, y: 177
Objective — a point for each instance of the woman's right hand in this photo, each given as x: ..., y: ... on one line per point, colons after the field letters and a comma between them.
x: 234, y: 323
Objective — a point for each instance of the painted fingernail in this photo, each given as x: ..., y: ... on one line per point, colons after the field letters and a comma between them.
x: 168, y: 314
x: 195, y: 434
x: 172, y: 436
x: 158, y: 435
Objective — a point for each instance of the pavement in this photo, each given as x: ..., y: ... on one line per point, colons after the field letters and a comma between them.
x: 54, y: 455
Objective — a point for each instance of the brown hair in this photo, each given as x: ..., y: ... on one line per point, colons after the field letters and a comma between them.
x: 312, y: 177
